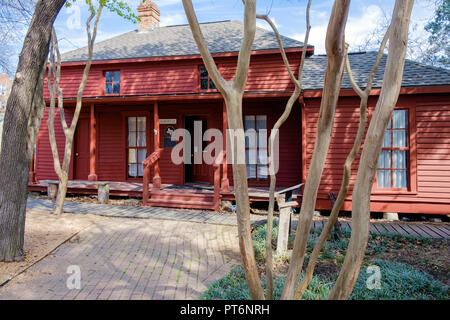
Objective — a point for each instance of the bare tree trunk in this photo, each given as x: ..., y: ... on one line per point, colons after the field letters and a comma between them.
x: 56, y: 93
x: 335, y: 47
x: 398, y: 38
x: 332, y: 220
x: 287, y: 111
x: 232, y: 93
x: 22, y: 120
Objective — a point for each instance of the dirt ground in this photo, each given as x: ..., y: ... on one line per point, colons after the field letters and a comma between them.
x: 44, y: 232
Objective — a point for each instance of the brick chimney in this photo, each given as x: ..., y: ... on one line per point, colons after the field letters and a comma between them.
x: 148, y: 14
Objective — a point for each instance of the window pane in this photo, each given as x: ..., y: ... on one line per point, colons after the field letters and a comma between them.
x: 141, y: 124
x: 251, y: 156
x: 263, y: 157
x: 251, y: 139
x: 132, y: 170
x: 261, y: 122
x: 399, y: 119
x: 262, y: 138
x: 399, y: 159
x: 211, y: 84
x: 140, y: 170
x: 400, y: 179
x: 132, y: 153
x: 251, y: 171
x: 400, y: 139
x: 131, y: 124
x: 204, y: 84
x: 385, y: 159
x: 141, y: 139
x: 262, y: 172
x: 116, y: 76
x: 384, y: 178
x: 203, y: 72
x: 387, y: 139
x: 108, y: 88
x: 249, y: 122
x: 108, y: 76
x: 116, y: 88
x: 142, y: 155
x: 132, y: 139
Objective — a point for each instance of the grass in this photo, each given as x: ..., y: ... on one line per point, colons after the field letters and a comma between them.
x: 398, y: 281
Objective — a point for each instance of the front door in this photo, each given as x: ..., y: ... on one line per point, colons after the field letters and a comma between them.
x: 81, y: 163
x: 197, y: 171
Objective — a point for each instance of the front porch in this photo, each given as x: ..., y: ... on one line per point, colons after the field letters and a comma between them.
x: 170, y: 195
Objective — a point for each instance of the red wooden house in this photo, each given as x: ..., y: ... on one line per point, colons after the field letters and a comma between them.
x: 145, y: 83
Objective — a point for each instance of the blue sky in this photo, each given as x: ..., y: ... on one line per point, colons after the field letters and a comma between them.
x: 288, y: 15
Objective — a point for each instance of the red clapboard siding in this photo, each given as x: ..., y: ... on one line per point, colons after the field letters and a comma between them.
x: 110, y: 147
x: 44, y: 159
x: 158, y: 79
x: 71, y: 79
x: 290, y: 164
x: 267, y: 73
x: 432, y: 149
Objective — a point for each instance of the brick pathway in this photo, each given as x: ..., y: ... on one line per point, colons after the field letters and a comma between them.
x: 417, y: 229
x: 133, y: 259
x: 143, y: 212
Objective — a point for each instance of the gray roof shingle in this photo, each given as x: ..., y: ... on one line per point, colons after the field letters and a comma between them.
x: 415, y: 74
x: 226, y: 36
x: 223, y: 36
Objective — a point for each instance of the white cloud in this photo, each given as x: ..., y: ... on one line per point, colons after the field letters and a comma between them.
x: 173, y: 19
x: 264, y: 25
x: 357, y: 29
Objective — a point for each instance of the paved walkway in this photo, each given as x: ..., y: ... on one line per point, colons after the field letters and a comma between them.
x: 142, y: 212
x: 133, y: 259
x: 427, y: 230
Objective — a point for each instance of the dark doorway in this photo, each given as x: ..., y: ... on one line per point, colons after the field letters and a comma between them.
x: 81, y: 156
x: 197, y: 171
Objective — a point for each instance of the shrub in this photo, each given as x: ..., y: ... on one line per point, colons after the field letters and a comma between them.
x: 234, y: 287
x: 399, y: 281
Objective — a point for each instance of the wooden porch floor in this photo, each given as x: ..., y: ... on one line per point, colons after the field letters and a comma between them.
x: 134, y: 189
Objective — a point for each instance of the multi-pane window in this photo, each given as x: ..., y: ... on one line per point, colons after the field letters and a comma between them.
x: 112, y: 82
x: 392, y: 171
x: 137, y: 146
x: 206, y: 82
x: 2, y: 89
x: 256, y: 146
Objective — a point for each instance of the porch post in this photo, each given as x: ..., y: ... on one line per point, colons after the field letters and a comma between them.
x: 156, y: 172
x: 32, y: 173
x: 92, y: 146
x: 225, y: 182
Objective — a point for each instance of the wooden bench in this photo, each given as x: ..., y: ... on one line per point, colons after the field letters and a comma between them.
x: 285, y: 204
x: 102, y: 186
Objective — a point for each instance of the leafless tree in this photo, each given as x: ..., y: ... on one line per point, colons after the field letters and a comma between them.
x: 285, y: 115
x: 398, y: 39
x: 232, y: 92
x: 54, y: 69
x: 336, y: 52
x: 364, y: 95
x: 22, y: 120
x: 15, y: 16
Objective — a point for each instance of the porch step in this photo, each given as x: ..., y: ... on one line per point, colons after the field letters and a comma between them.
x: 208, y: 205
x: 182, y: 196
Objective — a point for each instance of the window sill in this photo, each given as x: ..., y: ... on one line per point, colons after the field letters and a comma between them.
x: 393, y: 193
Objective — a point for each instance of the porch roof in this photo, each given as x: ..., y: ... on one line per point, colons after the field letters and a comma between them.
x: 415, y: 74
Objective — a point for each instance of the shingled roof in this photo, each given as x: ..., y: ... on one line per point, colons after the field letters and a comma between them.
x: 226, y: 36
x: 415, y: 74
x: 222, y: 37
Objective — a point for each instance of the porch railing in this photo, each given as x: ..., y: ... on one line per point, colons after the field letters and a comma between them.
x: 148, y: 163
